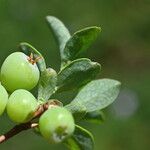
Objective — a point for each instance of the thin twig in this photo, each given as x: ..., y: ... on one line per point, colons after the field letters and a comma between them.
x: 17, y: 129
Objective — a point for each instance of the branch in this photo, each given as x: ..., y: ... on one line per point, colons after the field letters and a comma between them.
x: 17, y: 129
x: 25, y: 126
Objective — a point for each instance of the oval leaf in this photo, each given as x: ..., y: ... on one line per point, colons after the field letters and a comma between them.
x: 77, y: 74
x: 81, y: 140
x: 96, y: 95
x: 47, y: 84
x: 80, y: 42
x: 60, y: 32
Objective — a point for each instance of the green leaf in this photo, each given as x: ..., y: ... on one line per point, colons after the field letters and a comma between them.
x: 28, y: 49
x: 96, y: 95
x: 77, y: 73
x: 81, y: 140
x: 94, y: 117
x: 60, y: 32
x: 80, y: 42
x: 47, y: 84
x: 78, y: 111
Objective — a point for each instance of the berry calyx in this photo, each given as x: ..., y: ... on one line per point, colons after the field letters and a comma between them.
x: 32, y: 60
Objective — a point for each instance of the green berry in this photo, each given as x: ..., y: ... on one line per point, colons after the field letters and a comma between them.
x: 19, y: 72
x: 21, y: 106
x: 3, y: 99
x: 56, y: 124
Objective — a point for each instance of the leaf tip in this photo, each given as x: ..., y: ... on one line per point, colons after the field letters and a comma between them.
x: 49, y: 17
x: 99, y: 29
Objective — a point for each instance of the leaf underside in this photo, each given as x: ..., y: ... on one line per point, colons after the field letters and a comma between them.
x: 96, y: 95
x: 60, y: 33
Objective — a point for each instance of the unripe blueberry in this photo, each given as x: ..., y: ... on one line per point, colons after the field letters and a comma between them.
x: 19, y: 72
x: 56, y: 124
x: 3, y: 99
x: 21, y: 106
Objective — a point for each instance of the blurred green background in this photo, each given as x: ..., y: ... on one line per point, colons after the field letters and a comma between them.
x: 123, y: 49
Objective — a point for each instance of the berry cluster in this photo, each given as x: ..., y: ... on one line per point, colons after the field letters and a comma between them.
x: 22, y: 71
x: 20, y: 74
